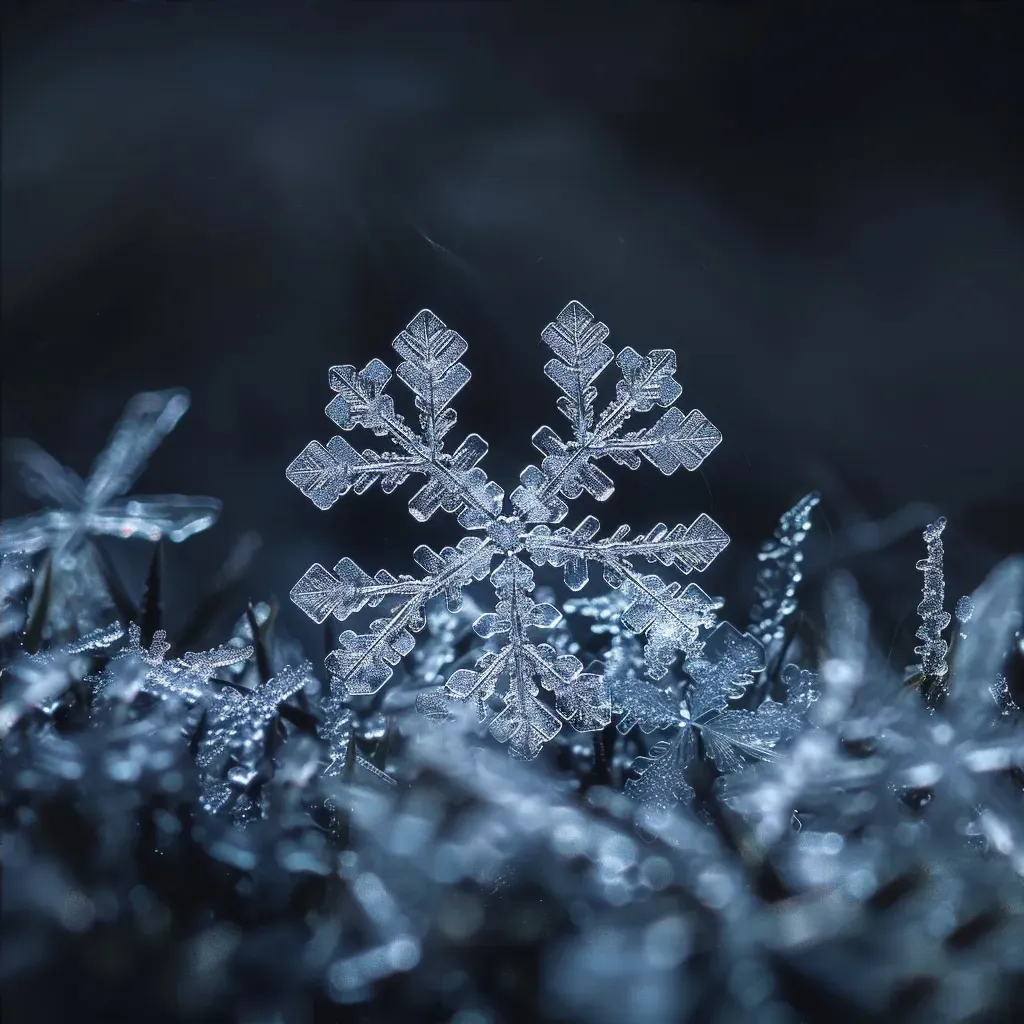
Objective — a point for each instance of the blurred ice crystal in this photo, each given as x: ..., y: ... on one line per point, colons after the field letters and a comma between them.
x: 704, y: 710
x: 15, y: 577
x: 38, y: 681
x: 78, y: 509
x: 668, y: 615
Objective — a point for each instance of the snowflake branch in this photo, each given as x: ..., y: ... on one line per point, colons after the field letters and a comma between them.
x: 687, y: 548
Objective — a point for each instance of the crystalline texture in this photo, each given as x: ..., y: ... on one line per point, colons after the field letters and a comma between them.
x: 779, y: 573
x: 503, y: 535
x: 731, y: 736
x: 138, y: 669
x: 934, y: 618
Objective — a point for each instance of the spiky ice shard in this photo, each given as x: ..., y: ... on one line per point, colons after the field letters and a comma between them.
x: 503, y: 536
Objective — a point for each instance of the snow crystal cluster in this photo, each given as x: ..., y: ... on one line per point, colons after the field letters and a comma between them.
x: 699, y: 822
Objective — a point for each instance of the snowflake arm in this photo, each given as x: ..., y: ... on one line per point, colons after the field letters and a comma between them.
x: 364, y: 662
x: 686, y: 548
x: 638, y: 702
x: 567, y: 469
x: 735, y: 735
x: 30, y: 534
x: 525, y: 723
x: 137, y: 668
x: 431, y: 370
x: 660, y: 781
x: 580, y: 356
x: 147, y: 419
x: 670, y: 616
x: 725, y: 668
x: 152, y: 516
x: 44, y: 478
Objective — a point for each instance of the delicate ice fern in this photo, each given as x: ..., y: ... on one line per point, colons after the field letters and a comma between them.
x: 140, y: 669
x: 234, y: 741
x: 779, y: 573
x: 731, y: 736
x: 934, y: 618
x: 453, y: 481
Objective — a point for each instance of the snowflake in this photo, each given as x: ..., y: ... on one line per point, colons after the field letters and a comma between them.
x: 731, y: 735
x: 77, y: 509
x: 667, y: 614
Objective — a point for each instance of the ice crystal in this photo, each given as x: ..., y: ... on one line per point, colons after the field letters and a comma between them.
x: 138, y: 668
x: 235, y: 735
x: 779, y: 573
x: 99, y: 506
x: 934, y: 618
x: 39, y: 681
x: 731, y: 735
x: 669, y: 616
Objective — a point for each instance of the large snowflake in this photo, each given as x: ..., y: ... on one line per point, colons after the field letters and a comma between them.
x: 502, y: 537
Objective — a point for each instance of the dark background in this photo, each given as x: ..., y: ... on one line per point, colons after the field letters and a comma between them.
x: 821, y: 211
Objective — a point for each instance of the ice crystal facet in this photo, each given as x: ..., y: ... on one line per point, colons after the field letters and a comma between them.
x: 500, y: 532
x: 779, y: 573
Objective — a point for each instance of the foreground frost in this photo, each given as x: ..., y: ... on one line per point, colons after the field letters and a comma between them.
x: 500, y: 531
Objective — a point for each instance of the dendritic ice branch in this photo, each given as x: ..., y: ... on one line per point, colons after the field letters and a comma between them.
x: 502, y: 534
x: 779, y: 573
x: 934, y: 618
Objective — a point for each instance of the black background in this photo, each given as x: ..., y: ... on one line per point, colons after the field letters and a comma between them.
x: 819, y: 208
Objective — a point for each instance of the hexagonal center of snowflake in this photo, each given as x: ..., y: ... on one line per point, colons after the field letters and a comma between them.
x: 505, y: 532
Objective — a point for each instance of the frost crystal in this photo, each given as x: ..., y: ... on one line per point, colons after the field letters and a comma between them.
x: 779, y: 574
x: 667, y: 614
x: 731, y: 735
x: 140, y: 669
x: 39, y: 681
x: 934, y: 618
x: 78, y: 509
